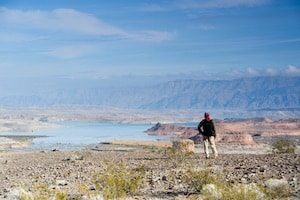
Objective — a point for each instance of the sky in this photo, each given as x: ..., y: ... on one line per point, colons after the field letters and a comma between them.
x: 99, y: 39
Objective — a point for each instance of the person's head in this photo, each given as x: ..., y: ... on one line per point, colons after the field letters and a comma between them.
x: 207, y: 116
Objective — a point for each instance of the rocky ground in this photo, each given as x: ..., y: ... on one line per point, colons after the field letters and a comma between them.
x: 73, y: 170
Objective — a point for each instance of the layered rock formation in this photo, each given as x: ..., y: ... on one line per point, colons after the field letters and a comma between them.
x: 173, y: 130
x: 238, y: 138
x: 237, y: 131
x: 192, y: 133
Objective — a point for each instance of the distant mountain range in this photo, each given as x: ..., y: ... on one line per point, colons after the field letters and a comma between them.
x: 244, y: 93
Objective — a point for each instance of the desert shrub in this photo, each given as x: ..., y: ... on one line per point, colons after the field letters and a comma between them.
x: 119, y: 181
x: 197, y: 179
x: 240, y: 192
x: 85, y: 190
x: 284, y: 146
x: 61, y: 195
x: 41, y: 191
x: 24, y: 196
x: 279, y: 192
x: 252, y: 191
x: 212, y: 186
x: 177, y: 156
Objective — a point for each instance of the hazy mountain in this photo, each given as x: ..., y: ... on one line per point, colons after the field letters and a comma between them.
x: 244, y: 93
x: 247, y: 93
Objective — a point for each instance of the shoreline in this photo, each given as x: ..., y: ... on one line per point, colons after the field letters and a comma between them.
x: 116, y: 145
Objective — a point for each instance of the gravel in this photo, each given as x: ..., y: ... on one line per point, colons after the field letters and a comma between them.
x: 164, y: 173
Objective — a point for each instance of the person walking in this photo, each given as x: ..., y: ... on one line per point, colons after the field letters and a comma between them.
x: 207, y: 128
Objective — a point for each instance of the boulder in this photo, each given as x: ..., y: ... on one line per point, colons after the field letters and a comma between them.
x: 184, y: 145
x: 18, y: 193
x: 276, y: 183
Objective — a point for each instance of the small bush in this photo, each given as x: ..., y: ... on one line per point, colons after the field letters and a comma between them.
x: 85, y: 190
x: 177, y: 157
x: 41, y: 191
x: 241, y: 192
x: 119, y: 181
x: 212, y: 186
x: 284, y: 146
x: 279, y: 192
x: 252, y: 191
x: 26, y: 196
x: 197, y: 179
x: 61, y: 195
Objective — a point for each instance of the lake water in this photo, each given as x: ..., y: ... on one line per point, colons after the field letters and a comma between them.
x: 72, y: 135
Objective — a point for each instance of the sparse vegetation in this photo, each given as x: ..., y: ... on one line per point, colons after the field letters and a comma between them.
x: 197, y: 179
x: 41, y: 191
x: 119, y: 181
x: 178, y: 155
x: 166, y: 173
x: 284, y: 146
x: 213, y: 186
x: 240, y: 192
x: 86, y: 191
x: 281, y: 192
x: 61, y: 195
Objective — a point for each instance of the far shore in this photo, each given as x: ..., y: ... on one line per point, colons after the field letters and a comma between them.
x: 11, y: 142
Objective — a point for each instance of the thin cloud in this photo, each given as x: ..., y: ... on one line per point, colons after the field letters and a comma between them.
x: 252, y: 72
x: 290, y: 70
x: 69, y: 52
x: 59, y: 19
x: 70, y: 20
x: 206, y: 27
x: 272, y: 72
x: 199, y: 4
x: 11, y: 37
x: 205, y: 4
x: 152, y: 8
x: 153, y: 36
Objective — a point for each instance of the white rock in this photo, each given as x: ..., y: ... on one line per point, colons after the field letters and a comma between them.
x: 17, y: 193
x: 276, y: 183
x: 244, y: 180
x: 211, y: 190
x: 61, y: 182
